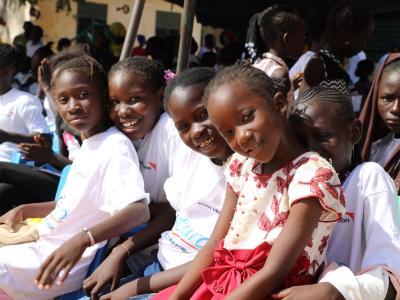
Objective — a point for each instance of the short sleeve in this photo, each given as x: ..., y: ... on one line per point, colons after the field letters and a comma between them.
x: 122, y: 182
x: 235, y: 172
x: 317, y: 179
x: 31, y: 115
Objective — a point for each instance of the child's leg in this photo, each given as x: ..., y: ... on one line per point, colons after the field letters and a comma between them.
x: 18, y: 267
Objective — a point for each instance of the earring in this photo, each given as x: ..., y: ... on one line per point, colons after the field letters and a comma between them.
x: 330, y: 161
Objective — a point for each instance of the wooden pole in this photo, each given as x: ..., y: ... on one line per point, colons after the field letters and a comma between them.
x: 132, y: 29
x: 185, y: 42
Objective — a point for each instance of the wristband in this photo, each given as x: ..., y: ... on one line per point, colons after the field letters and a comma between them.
x: 126, y: 249
x: 90, y: 235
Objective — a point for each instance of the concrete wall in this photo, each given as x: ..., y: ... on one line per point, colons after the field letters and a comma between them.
x: 14, y: 15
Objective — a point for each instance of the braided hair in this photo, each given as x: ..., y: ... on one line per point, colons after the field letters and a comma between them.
x: 150, y: 71
x: 252, y: 78
x: 198, y: 77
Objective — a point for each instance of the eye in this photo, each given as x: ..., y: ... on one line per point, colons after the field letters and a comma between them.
x: 389, y: 98
x: 114, y: 102
x: 135, y: 100
x: 202, y: 116
x: 83, y: 95
x: 227, y: 134
x: 247, y: 116
x: 182, y: 127
x: 62, y: 100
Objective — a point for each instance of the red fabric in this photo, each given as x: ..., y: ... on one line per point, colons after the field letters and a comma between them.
x: 233, y: 267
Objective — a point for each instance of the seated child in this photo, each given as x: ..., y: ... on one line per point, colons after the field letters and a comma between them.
x: 103, y: 196
x: 380, y: 118
x: 367, y: 238
x: 280, y: 204
x: 195, y: 204
x: 20, y: 113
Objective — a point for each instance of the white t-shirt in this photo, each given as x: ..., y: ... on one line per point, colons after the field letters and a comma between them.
x: 196, y: 191
x: 20, y: 113
x: 300, y: 66
x: 104, y: 178
x: 382, y: 150
x: 156, y: 152
x: 369, y: 233
x: 31, y: 49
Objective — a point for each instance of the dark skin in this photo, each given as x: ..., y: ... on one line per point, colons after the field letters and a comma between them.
x: 81, y: 104
x: 5, y: 85
x: 316, y: 125
x: 257, y: 128
x: 389, y: 100
x: 135, y: 109
x: 191, y: 119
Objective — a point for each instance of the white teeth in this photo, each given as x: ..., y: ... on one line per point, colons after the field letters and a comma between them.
x: 254, y: 147
x: 206, y: 143
x: 129, y: 124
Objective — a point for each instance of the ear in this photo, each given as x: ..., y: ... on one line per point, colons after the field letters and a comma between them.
x: 280, y: 102
x: 285, y: 38
x: 355, y: 131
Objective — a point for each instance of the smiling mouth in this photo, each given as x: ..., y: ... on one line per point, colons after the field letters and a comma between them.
x: 254, y: 147
x: 207, y: 142
x: 130, y: 124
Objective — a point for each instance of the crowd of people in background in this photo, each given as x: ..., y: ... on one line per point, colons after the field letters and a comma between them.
x: 269, y: 169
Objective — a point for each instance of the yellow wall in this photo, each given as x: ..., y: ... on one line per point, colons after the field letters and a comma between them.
x: 14, y: 15
x: 63, y: 24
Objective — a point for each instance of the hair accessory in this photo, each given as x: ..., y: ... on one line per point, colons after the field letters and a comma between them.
x: 90, y: 235
x: 169, y: 75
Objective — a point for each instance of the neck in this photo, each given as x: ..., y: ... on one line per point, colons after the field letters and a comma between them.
x: 277, y: 51
x: 103, y: 126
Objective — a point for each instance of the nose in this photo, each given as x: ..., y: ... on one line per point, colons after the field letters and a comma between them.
x: 243, y: 137
x: 197, y: 130
x: 73, y: 106
x: 123, y: 110
x: 395, y: 108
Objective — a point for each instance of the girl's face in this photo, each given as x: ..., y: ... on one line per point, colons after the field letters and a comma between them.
x: 251, y: 126
x: 194, y: 126
x: 389, y: 100
x: 80, y: 102
x: 316, y: 125
x: 135, y: 107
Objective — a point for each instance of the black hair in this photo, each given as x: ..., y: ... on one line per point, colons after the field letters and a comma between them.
x: 150, y: 71
x: 252, y: 78
x: 347, y: 16
x: 276, y: 20
x: 8, y: 56
x: 44, y: 51
x: 365, y: 68
x: 255, y: 46
x: 209, y: 40
x: 209, y: 59
x: 198, y: 77
x: 85, y: 64
x: 334, y: 97
x: 393, y: 66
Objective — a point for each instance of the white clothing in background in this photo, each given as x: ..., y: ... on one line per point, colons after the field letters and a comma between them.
x: 368, y: 235
x: 197, y: 192
x: 104, y: 178
x: 383, y: 149
x: 300, y: 66
x: 20, y: 113
x: 31, y: 49
x: 352, y: 65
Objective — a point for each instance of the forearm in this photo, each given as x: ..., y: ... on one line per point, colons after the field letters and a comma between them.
x: 160, y: 280
x: 18, y: 138
x: 59, y: 161
x: 162, y: 221
x: 37, y: 210
x: 131, y: 216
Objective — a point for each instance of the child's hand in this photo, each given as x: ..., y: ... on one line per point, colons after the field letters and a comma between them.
x: 61, y: 261
x: 122, y: 293
x: 109, y: 271
x: 39, y: 152
x: 12, y: 217
x: 320, y: 291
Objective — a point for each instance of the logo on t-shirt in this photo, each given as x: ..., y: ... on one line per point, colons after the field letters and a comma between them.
x: 149, y: 165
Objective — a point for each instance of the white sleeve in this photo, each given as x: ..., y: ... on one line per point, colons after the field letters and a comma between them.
x: 372, y: 285
x: 31, y: 115
x: 122, y: 183
x: 381, y: 225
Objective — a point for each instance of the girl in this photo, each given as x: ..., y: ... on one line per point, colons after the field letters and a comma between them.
x: 367, y: 237
x: 98, y: 201
x: 136, y: 94
x: 268, y: 234
x: 380, y: 117
x: 349, y: 24
x: 198, y: 205
x: 283, y: 31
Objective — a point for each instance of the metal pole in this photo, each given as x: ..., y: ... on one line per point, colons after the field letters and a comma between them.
x: 185, y: 42
x: 132, y: 29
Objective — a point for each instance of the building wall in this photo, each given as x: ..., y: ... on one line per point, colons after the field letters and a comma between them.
x: 14, y: 15
x: 63, y: 24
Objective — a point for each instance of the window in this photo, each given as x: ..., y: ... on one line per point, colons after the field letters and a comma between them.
x: 167, y: 23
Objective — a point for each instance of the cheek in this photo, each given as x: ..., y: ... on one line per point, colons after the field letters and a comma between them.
x: 185, y: 137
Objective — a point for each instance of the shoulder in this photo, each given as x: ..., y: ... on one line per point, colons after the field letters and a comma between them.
x: 371, y: 178
x: 165, y: 127
x: 114, y: 142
